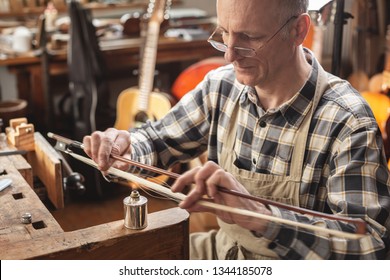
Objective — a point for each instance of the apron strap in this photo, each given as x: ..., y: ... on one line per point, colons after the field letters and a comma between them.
x: 302, y: 136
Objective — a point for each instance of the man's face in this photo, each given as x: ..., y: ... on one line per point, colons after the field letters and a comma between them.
x: 250, y: 24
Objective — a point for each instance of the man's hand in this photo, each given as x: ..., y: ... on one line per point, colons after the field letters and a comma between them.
x: 100, y: 145
x: 207, y: 180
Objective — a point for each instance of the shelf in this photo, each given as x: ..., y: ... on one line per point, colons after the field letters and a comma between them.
x: 34, y: 11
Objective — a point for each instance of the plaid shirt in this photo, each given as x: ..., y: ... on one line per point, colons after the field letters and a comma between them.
x: 345, y: 170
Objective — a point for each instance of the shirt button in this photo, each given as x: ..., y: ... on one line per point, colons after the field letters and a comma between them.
x: 263, y: 124
x: 254, y: 161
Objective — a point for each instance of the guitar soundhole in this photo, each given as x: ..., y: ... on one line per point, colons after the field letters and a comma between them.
x: 141, y: 117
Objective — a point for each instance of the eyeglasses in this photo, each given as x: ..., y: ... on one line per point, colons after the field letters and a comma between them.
x: 216, y: 40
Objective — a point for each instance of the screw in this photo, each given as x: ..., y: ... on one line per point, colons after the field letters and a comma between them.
x: 26, y: 218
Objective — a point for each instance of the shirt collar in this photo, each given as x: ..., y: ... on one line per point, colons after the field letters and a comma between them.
x: 295, y: 109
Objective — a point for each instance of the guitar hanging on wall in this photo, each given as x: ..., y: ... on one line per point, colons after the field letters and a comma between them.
x: 379, y: 100
x: 136, y: 105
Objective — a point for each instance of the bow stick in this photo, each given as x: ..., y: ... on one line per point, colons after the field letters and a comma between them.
x: 360, y: 224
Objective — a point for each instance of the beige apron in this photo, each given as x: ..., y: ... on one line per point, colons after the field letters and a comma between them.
x: 232, y: 241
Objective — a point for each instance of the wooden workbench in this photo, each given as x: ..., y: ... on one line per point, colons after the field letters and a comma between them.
x: 45, y: 239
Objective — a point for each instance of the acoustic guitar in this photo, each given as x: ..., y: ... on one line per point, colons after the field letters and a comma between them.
x: 194, y: 74
x: 136, y: 105
x: 379, y: 101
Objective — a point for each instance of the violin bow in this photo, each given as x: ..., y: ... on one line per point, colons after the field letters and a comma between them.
x: 361, y: 227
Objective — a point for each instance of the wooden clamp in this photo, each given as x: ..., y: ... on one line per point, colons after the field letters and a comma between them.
x: 21, y: 134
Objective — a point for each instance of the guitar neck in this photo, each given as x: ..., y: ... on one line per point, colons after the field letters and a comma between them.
x: 148, y: 62
x: 148, y: 65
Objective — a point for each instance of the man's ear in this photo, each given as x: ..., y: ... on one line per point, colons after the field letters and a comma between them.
x: 301, y: 29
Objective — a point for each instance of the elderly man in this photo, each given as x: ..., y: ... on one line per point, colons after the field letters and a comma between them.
x: 277, y: 126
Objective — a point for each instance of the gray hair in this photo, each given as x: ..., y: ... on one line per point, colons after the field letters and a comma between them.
x: 290, y: 8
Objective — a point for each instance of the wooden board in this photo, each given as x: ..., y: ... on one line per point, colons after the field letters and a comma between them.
x: 166, y: 237
x: 24, y: 168
x: 16, y: 200
x: 46, y: 165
